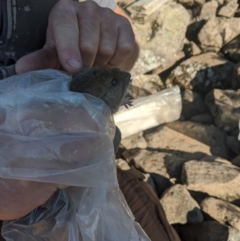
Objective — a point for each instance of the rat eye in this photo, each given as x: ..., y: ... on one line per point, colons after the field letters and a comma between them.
x: 114, y: 82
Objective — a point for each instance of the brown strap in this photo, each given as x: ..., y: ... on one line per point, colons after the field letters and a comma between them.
x: 145, y: 206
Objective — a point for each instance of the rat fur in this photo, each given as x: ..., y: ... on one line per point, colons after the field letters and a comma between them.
x: 110, y: 85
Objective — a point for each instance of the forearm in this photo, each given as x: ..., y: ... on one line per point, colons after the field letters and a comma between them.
x: 19, y: 198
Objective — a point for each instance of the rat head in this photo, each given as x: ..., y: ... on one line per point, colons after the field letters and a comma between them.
x: 110, y: 85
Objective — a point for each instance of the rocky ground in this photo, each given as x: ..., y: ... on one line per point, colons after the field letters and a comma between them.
x: 193, y: 164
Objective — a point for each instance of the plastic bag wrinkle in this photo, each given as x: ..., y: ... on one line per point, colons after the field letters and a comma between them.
x: 49, y: 134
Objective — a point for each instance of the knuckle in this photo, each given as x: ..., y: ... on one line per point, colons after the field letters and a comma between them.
x: 87, y: 48
x: 90, y: 6
x: 63, y: 7
x: 89, y: 28
x: 116, y: 62
x: 123, y: 21
x: 125, y: 47
x: 66, y: 26
x: 107, y: 16
x: 108, y: 13
x: 106, y: 52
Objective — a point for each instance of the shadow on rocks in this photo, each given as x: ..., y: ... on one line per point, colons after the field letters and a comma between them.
x: 222, y: 76
x: 184, y: 154
x: 206, y: 231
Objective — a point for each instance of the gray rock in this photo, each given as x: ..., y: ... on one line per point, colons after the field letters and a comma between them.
x: 134, y: 141
x: 142, y: 11
x: 217, y: 179
x: 208, y: 231
x: 203, y: 118
x: 166, y: 139
x: 143, y: 33
x: 164, y: 164
x: 143, y: 85
x: 209, y: 9
x: 123, y: 165
x: 195, y: 50
x: 123, y: 3
x: 161, y: 166
x: 221, y: 2
x: 234, y: 144
x: 161, y: 39
x: 217, y: 32
x: 224, y: 105
x: 222, y: 211
x: 232, y: 49
x: 176, y: 58
x: 206, y: 134
x: 180, y: 207
x: 228, y: 10
x: 205, y: 72
x: 188, y: 140
x: 192, y: 104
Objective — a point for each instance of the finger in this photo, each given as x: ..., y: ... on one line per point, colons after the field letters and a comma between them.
x: 108, y: 39
x: 42, y: 59
x: 125, y: 43
x: 89, y: 35
x: 64, y: 25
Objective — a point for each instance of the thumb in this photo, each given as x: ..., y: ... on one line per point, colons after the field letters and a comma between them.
x: 45, y: 58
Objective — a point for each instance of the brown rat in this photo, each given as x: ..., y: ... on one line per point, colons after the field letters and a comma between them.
x: 110, y: 85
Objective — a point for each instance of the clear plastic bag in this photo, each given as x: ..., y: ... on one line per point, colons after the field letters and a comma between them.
x: 147, y: 112
x: 49, y: 134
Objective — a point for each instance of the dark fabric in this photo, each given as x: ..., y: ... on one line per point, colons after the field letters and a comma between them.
x: 7, y: 71
x: 117, y: 139
x: 1, y: 238
x: 145, y: 206
x: 24, y: 28
x: 3, y: 21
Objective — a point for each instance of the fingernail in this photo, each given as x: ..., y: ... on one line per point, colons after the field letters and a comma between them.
x: 73, y: 62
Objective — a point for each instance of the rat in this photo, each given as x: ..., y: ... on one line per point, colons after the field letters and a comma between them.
x: 108, y: 84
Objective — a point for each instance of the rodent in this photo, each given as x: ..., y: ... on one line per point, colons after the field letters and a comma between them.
x: 108, y: 84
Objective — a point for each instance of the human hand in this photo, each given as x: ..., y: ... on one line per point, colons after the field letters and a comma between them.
x: 45, y: 137
x: 81, y: 35
x: 18, y: 198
